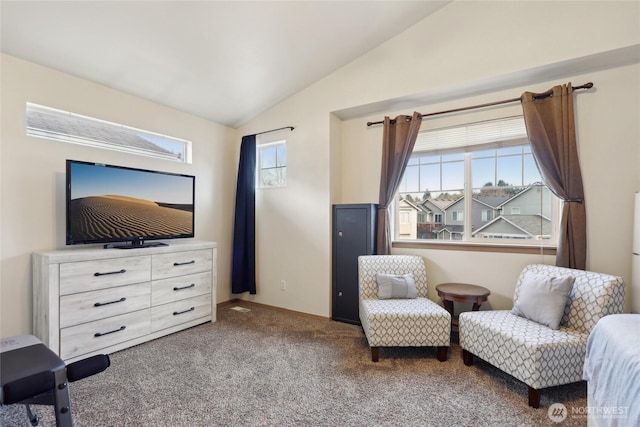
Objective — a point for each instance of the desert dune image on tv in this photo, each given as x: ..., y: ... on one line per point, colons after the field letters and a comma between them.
x: 112, y: 203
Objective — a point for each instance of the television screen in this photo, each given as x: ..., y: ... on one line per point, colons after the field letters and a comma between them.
x: 107, y: 203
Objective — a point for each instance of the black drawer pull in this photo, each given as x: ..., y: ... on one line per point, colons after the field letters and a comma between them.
x: 101, y: 334
x: 180, y: 288
x: 175, y: 313
x: 176, y: 264
x: 110, y: 272
x: 100, y: 304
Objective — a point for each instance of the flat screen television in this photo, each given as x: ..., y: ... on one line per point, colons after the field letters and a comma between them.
x: 110, y: 204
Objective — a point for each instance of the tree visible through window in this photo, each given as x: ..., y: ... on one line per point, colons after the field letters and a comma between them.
x: 477, y: 181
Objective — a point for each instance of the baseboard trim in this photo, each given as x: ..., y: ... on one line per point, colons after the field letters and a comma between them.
x: 272, y: 307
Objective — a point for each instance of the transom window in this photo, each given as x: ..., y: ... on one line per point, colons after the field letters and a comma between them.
x: 272, y: 165
x: 59, y: 125
x: 476, y: 182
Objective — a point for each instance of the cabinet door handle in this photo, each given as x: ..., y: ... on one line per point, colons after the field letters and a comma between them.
x: 110, y: 272
x: 175, y: 313
x: 176, y: 264
x: 101, y: 334
x: 100, y: 304
x: 180, y: 288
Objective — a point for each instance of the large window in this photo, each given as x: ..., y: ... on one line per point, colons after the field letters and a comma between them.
x: 272, y: 165
x: 59, y: 125
x: 476, y: 183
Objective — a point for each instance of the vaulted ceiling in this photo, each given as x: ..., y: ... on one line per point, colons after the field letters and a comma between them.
x: 226, y: 61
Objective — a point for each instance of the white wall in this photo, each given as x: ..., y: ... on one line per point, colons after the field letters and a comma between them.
x: 33, y: 173
x: 467, y: 52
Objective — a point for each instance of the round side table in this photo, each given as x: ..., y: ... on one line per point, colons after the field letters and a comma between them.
x: 461, y: 292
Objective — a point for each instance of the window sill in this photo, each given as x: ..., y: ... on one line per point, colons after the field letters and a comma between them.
x: 476, y: 247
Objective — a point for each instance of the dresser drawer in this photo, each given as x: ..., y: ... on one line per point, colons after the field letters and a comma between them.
x: 85, y: 276
x: 175, y: 313
x: 88, y: 337
x: 181, y: 263
x: 177, y: 288
x: 95, y: 305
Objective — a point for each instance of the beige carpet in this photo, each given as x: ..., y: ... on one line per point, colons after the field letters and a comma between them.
x: 273, y: 368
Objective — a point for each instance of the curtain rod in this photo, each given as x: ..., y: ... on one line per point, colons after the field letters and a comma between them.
x: 489, y: 104
x: 273, y: 130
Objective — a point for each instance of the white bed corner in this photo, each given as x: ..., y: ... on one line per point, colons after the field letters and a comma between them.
x: 612, y: 370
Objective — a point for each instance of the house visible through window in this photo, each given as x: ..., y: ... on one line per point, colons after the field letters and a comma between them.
x: 272, y: 165
x: 476, y: 182
x: 58, y: 125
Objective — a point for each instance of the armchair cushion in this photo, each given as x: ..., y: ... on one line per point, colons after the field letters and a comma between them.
x: 543, y: 298
x: 417, y: 322
x: 533, y: 353
x: 396, y: 286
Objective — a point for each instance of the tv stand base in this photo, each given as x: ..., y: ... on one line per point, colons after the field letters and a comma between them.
x: 134, y: 245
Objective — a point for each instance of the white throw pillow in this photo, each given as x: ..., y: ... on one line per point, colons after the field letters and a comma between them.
x: 543, y: 298
x: 396, y: 286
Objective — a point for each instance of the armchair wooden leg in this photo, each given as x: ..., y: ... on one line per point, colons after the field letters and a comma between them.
x: 467, y: 358
x: 375, y: 352
x: 443, y: 352
x: 534, y: 397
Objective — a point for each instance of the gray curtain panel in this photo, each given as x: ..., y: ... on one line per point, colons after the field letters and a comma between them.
x: 551, y: 128
x: 399, y: 137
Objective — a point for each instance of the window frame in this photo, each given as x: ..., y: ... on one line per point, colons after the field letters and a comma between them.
x: 94, y: 131
x: 546, y: 246
x: 280, y: 168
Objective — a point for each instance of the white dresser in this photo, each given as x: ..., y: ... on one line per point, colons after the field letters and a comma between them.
x: 90, y: 301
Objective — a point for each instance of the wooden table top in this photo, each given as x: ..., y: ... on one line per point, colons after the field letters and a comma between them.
x: 462, y: 290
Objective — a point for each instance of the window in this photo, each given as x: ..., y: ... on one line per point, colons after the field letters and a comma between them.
x: 479, y: 182
x: 272, y: 165
x: 58, y: 125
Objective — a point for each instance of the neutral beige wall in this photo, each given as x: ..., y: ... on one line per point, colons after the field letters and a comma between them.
x: 469, y: 41
x: 463, y: 43
x: 32, y: 173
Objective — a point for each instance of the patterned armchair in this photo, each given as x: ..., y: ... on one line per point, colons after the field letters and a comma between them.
x: 411, y: 322
x: 536, y: 354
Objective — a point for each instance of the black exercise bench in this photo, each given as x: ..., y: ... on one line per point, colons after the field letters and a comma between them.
x: 32, y: 374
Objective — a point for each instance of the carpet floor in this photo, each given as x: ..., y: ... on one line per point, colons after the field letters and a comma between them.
x: 268, y: 367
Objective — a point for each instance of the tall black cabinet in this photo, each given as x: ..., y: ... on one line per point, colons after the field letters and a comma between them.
x: 354, y: 234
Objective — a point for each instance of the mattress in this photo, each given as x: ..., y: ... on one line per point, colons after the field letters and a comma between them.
x: 612, y: 369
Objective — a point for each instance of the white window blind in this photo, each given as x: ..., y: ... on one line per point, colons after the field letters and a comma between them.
x: 497, y: 133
